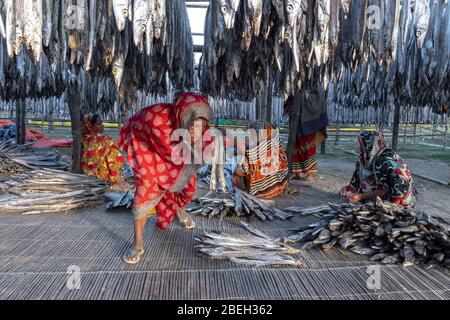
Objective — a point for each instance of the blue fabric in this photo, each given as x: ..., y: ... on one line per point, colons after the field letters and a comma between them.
x: 8, y: 132
x: 307, y: 128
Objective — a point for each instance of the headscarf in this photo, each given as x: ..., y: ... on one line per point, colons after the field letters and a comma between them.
x: 381, y: 168
x: 88, y: 128
x: 371, y: 145
x: 190, y: 106
x: 146, y: 138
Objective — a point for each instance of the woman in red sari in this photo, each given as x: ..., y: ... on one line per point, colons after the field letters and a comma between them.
x: 162, y: 183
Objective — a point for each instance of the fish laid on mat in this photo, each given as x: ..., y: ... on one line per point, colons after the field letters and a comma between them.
x: 383, y: 231
x: 256, y: 249
x: 47, y: 191
x: 29, y: 158
x: 119, y: 199
x: 239, y: 203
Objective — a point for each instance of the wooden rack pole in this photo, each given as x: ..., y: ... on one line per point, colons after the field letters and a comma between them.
x: 73, y: 101
x: 293, y: 128
x: 396, y: 128
x: 20, y: 121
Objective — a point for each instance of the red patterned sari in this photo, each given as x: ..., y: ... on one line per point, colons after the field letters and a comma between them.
x: 146, y: 138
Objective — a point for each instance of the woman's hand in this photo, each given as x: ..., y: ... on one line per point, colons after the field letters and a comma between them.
x: 355, y: 197
x: 343, y: 192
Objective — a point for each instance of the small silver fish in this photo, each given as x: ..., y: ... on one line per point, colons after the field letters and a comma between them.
x: 159, y: 17
x: 141, y: 16
x: 122, y: 12
x: 2, y: 25
x: 117, y: 69
x: 256, y: 11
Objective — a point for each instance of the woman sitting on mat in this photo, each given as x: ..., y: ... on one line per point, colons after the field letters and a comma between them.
x: 263, y: 169
x: 380, y: 172
x: 162, y: 183
x: 100, y: 157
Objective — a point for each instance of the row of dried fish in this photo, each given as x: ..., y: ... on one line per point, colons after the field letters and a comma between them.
x: 239, y: 204
x: 372, y: 50
x: 49, y: 191
x: 384, y: 115
x: 30, y: 158
x: 256, y: 250
x: 118, y: 45
x: 382, y: 231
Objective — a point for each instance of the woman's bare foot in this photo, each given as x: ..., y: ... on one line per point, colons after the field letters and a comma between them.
x: 185, y: 219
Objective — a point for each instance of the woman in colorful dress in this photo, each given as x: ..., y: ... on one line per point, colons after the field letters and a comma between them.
x: 100, y: 157
x: 163, y: 183
x: 263, y: 168
x: 380, y: 172
x: 311, y: 130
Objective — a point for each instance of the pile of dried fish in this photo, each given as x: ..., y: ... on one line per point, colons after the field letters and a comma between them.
x: 105, y: 47
x: 119, y: 199
x: 258, y: 250
x: 374, y: 52
x: 49, y: 191
x: 30, y: 158
x: 382, y: 231
x: 239, y: 203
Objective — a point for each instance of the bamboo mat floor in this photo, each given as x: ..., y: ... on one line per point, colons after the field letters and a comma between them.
x: 36, y: 252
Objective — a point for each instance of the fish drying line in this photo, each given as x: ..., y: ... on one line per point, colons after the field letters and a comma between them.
x: 99, y: 54
x: 373, y: 57
x: 332, y: 42
x: 47, y: 191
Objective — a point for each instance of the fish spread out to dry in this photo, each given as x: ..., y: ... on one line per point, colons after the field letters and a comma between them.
x: 28, y: 158
x: 49, y: 191
x: 109, y: 49
x: 382, y: 231
x: 255, y: 249
x: 237, y: 203
x: 119, y: 199
x: 370, y: 54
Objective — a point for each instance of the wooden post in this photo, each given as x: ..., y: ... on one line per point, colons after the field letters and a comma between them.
x: 258, y: 110
x: 269, y: 97
x: 445, y: 136
x: 323, y: 147
x: 293, y: 128
x: 416, y: 120
x: 337, y: 134
x: 18, y: 110
x: 73, y: 101
x: 11, y: 112
x: 20, y: 121
x: 404, y: 136
x: 396, y: 127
